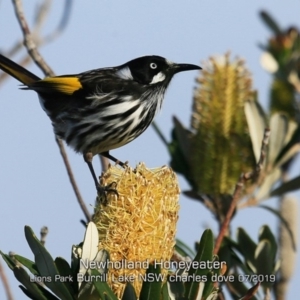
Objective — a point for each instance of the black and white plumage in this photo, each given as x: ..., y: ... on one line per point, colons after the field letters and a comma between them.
x: 102, y: 109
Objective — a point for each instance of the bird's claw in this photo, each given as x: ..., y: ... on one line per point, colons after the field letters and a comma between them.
x: 103, y: 191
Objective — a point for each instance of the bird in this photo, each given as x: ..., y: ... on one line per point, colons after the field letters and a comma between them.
x: 102, y: 109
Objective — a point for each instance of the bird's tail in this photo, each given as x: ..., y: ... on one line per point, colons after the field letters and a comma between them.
x: 17, y: 71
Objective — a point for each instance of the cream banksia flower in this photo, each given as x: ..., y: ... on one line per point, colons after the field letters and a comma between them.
x: 139, y: 225
x: 221, y: 147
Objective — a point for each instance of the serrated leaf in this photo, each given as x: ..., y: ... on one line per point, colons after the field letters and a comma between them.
x: 256, y: 123
x: 46, y: 266
x: 204, y: 253
x: 284, y: 222
x: 152, y: 289
x: 287, y: 186
x: 102, y: 287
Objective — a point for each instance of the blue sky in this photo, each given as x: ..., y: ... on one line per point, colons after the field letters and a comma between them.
x: 34, y: 187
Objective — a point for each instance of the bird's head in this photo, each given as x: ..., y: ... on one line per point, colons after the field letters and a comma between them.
x: 150, y: 70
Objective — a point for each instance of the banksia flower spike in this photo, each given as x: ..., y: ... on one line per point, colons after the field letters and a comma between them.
x: 221, y: 147
x: 138, y: 227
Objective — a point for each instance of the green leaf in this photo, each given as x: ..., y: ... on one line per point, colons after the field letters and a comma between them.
x: 237, y: 288
x: 183, y: 249
x: 165, y: 292
x: 175, y: 288
x: 9, y: 261
x: 287, y: 186
x: 129, y: 293
x: 151, y: 288
x: 182, y: 135
x: 178, y: 162
x: 284, y: 222
x: 65, y: 271
x: 75, y: 259
x: 263, y: 260
x: 251, y: 292
x: 32, y: 287
x: 209, y: 285
x: 46, y: 266
x: 160, y: 134
x: 270, y: 22
x: 102, y: 287
x: 29, y: 264
x: 44, y: 292
x: 266, y: 234
x: 204, y: 254
x: 246, y: 246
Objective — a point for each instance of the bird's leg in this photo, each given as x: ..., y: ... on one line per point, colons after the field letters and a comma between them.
x: 88, y: 158
x: 107, y: 155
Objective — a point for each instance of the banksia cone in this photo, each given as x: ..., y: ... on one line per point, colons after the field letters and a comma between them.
x: 139, y: 226
x: 221, y: 147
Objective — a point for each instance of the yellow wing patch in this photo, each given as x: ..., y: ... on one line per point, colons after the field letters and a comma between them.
x: 65, y: 85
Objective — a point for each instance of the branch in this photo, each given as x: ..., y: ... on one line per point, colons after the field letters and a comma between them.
x: 39, y: 19
x: 28, y: 40
x: 38, y: 59
x: 72, y: 178
x: 238, y: 190
x: 6, y: 285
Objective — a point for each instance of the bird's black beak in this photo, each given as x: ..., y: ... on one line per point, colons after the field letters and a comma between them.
x: 184, y: 67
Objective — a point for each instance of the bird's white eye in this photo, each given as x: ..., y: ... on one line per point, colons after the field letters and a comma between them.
x: 153, y: 66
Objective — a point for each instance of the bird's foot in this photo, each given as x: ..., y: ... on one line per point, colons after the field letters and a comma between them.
x: 103, y: 192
